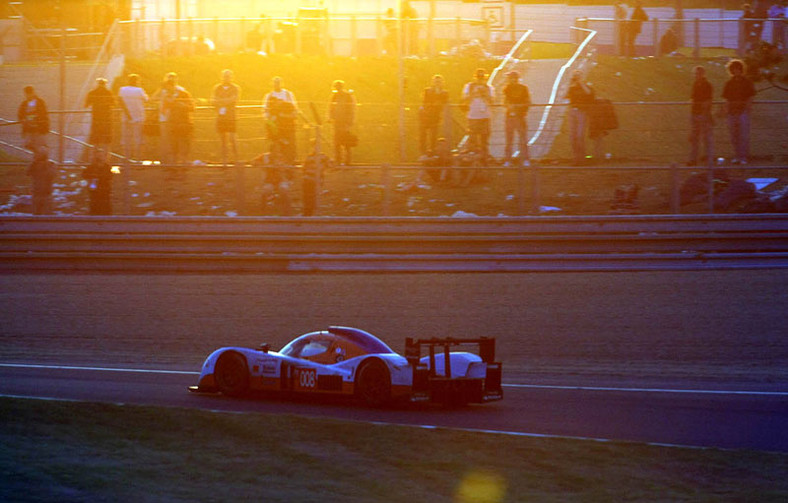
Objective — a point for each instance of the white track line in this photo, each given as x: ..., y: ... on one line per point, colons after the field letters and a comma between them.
x: 649, y: 390
x: 429, y: 427
x: 522, y: 386
x: 99, y: 369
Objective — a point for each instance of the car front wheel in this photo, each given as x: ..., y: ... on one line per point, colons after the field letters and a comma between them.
x: 232, y: 374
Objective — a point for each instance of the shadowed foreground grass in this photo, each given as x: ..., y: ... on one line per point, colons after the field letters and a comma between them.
x: 61, y: 451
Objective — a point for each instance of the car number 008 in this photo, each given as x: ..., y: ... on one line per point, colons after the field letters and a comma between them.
x: 307, y: 378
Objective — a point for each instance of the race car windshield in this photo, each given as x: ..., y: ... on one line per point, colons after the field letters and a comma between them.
x: 314, y: 348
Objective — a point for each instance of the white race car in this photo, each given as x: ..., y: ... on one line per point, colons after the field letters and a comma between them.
x: 349, y: 361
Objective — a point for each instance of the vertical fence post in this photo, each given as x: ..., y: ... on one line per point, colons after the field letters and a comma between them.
x: 380, y: 36
x: 675, y: 201
x: 353, y: 36
x: 178, y: 37
x: 431, y: 35
x: 520, y: 189
x: 696, y: 50
x: 240, y: 187
x: 656, y: 37
x: 535, y: 196
x: 216, y: 32
x: 126, y: 182
x: 711, y: 188
x: 386, y: 175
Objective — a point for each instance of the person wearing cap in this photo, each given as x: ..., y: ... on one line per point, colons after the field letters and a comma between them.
x: 101, y: 101
x: 477, y: 96
x: 517, y: 99
x: 33, y: 116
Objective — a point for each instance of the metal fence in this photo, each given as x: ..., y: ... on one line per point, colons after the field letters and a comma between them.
x: 336, y: 35
x: 697, y: 34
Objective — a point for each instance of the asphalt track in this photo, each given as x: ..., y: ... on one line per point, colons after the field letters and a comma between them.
x: 718, y: 418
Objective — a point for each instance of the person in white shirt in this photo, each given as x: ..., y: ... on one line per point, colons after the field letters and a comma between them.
x: 477, y: 95
x: 133, y: 99
x: 280, y: 111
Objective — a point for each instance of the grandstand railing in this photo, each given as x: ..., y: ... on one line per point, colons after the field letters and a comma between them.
x: 696, y: 34
x: 349, y: 35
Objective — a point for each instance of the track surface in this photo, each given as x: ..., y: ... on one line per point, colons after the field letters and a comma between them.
x: 727, y: 420
x: 715, y: 331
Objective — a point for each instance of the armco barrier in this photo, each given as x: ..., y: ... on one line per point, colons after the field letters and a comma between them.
x: 200, y: 244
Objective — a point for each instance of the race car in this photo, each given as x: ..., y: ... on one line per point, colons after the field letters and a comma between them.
x: 349, y: 361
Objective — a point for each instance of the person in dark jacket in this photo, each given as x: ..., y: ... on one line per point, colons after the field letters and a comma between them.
x: 433, y: 104
x: 517, y: 100
x: 33, y: 116
x: 101, y: 101
x: 633, y: 27
x: 342, y: 113
x: 581, y: 98
x: 42, y: 171
x: 701, y: 121
x: 99, y: 176
x: 738, y: 93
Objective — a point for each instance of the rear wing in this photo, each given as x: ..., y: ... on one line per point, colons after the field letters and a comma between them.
x: 486, y: 347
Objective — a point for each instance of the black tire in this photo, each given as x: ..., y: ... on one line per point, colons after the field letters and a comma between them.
x: 232, y: 374
x: 373, y: 383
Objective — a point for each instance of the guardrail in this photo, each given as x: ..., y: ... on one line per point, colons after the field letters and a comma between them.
x: 197, y: 244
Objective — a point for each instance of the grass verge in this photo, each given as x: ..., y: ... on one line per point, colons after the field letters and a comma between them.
x: 93, y: 452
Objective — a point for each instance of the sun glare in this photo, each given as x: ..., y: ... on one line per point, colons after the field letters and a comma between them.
x: 152, y: 9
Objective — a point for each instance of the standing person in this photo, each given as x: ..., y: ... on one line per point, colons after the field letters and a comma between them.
x: 477, y: 95
x: 165, y: 97
x: 133, y: 99
x: 738, y: 93
x: 620, y: 27
x: 778, y: 12
x: 391, y: 37
x: 42, y: 171
x: 34, y: 117
x: 280, y: 111
x: 410, y: 26
x: 342, y: 113
x: 701, y: 121
x: 99, y: 177
x: 635, y: 24
x: 581, y: 98
x: 433, y: 104
x: 517, y: 99
x: 101, y: 101
x: 225, y: 97
x: 181, y: 124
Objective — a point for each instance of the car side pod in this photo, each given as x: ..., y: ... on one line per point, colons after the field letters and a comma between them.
x: 481, y: 382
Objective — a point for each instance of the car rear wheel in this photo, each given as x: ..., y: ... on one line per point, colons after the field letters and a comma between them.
x: 232, y: 374
x: 373, y: 383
